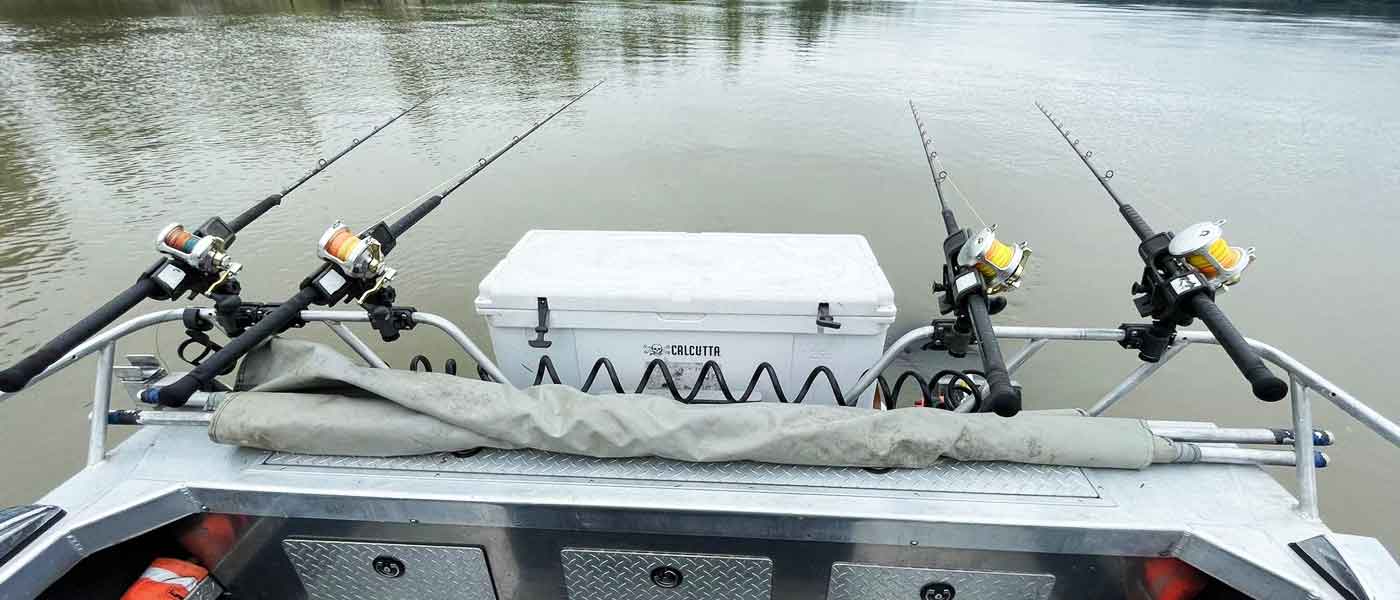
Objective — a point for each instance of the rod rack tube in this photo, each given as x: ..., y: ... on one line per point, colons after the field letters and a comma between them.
x: 179, y: 418
x: 101, y: 401
x: 466, y: 343
x: 447, y: 326
x: 1238, y: 435
x: 1340, y: 398
x: 1306, y: 471
x: 1025, y: 354
x: 1245, y: 456
x: 868, y: 378
x: 356, y: 344
x: 1133, y: 380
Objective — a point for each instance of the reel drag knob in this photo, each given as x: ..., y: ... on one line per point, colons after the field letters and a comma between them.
x: 1001, y: 265
x: 1203, y: 246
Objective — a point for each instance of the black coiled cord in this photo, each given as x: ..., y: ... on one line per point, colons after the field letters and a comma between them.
x: 421, y: 363
x: 941, y: 391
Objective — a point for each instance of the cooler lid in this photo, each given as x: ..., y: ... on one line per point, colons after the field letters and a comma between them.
x: 709, y: 273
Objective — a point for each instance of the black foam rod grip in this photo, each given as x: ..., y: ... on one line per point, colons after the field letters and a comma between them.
x: 1135, y: 221
x: 415, y: 215
x: 1002, y: 398
x: 1266, y: 385
x: 15, y: 378
x: 277, y: 321
x: 254, y: 212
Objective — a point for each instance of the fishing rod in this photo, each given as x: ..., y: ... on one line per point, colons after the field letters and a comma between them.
x: 976, y: 268
x: 353, y: 267
x: 1181, y: 276
x: 197, y: 262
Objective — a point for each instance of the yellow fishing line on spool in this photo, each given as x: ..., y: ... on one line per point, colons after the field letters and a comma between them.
x: 1221, y: 251
x: 999, y: 255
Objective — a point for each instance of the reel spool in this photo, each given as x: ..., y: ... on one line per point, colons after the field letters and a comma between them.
x: 205, y: 254
x: 1001, y: 265
x: 356, y: 257
x: 1203, y: 246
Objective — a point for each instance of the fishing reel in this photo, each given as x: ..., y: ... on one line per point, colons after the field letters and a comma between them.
x: 1196, y: 260
x: 199, y: 262
x: 1001, y: 265
x: 355, y: 267
x: 976, y: 264
x: 1204, y: 248
x: 360, y: 258
x: 983, y: 263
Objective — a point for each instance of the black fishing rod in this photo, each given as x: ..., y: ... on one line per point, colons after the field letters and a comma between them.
x: 197, y: 262
x: 1181, y: 276
x: 353, y: 267
x: 976, y: 268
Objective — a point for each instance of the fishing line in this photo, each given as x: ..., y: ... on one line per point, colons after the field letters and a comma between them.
x: 965, y: 199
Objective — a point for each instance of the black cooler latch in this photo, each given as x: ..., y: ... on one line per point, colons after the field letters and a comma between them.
x: 542, y: 310
x: 824, y: 318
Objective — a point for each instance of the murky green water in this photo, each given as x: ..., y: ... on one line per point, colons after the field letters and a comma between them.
x: 734, y: 116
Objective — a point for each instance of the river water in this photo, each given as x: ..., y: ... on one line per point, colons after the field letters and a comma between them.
x: 722, y: 116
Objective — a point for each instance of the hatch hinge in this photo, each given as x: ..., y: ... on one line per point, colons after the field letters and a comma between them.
x: 824, y: 318
x: 542, y: 310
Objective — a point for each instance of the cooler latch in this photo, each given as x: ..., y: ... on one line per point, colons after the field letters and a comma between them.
x: 542, y: 310
x: 824, y: 318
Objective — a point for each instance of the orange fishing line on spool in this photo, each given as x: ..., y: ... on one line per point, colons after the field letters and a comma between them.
x: 180, y: 239
x: 342, y: 244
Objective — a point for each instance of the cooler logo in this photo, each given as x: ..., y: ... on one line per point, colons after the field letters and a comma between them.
x: 681, y: 350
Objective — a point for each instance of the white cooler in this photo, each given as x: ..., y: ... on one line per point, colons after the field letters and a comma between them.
x: 739, y: 300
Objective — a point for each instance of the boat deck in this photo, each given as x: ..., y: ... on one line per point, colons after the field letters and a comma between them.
x: 964, y: 518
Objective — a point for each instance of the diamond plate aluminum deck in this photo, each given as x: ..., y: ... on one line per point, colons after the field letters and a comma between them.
x: 344, y: 571
x: 208, y: 589
x: 946, y: 476
x: 869, y: 582
x: 611, y: 575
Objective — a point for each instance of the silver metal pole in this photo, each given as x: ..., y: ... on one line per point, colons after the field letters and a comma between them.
x: 1252, y: 456
x: 175, y: 417
x: 1060, y: 333
x: 908, y: 339
x: 1025, y: 354
x: 1134, y: 379
x: 101, y: 402
x: 1357, y: 409
x: 357, y: 344
x: 466, y: 343
x: 1303, y: 447
x: 1231, y: 435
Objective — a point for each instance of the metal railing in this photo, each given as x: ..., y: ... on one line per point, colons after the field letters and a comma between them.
x: 1303, y: 382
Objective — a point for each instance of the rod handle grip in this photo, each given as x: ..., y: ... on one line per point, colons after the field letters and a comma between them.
x: 255, y: 211
x: 277, y: 321
x: 16, y: 377
x: 1265, y: 384
x: 1135, y: 221
x: 1002, y: 398
x: 415, y: 215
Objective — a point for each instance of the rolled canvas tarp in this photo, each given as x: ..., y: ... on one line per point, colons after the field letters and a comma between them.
x: 298, y: 396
